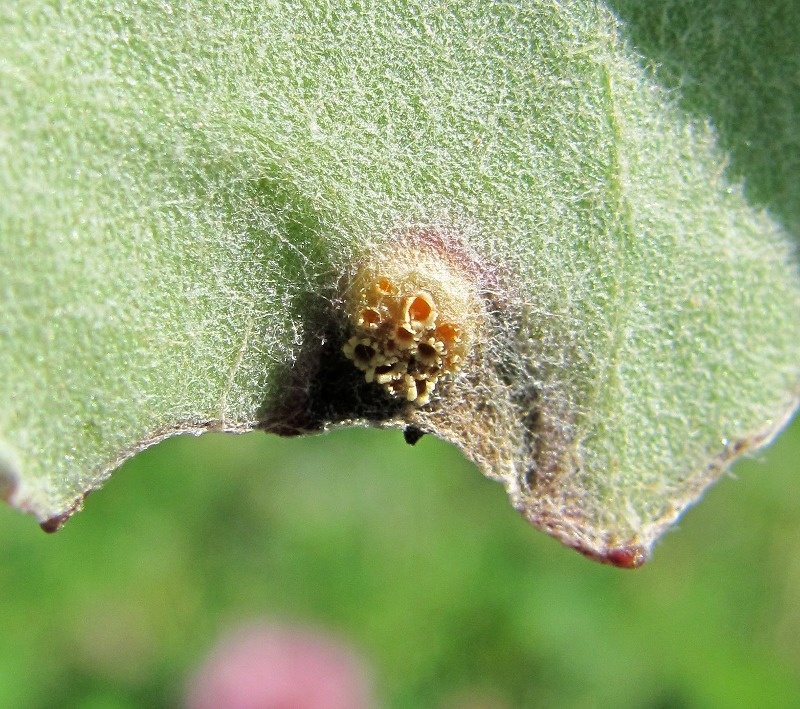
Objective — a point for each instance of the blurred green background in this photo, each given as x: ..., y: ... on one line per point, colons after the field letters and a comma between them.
x: 413, y: 558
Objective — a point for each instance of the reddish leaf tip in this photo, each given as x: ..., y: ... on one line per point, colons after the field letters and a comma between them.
x: 53, y: 524
x: 627, y: 557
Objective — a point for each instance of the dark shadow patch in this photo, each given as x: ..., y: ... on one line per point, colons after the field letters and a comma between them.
x: 737, y: 63
x: 321, y: 386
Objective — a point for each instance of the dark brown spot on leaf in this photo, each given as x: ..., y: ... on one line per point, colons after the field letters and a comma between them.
x: 412, y: 434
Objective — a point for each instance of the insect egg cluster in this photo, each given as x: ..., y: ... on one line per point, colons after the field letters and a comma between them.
x: 402, y: 341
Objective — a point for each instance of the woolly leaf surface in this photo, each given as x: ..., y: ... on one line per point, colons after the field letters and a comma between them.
x: 185, y: 187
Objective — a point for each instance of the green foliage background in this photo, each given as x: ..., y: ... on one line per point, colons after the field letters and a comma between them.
x: 413, y: 557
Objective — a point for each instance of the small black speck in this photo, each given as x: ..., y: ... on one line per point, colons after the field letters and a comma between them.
x: 412, y: 434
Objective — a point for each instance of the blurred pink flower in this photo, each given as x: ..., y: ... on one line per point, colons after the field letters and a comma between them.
x: 263, y: 666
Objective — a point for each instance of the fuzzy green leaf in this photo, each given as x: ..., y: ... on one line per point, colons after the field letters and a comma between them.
x: 184, y: 188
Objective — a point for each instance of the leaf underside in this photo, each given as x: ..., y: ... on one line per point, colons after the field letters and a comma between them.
x: 184, y: 189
